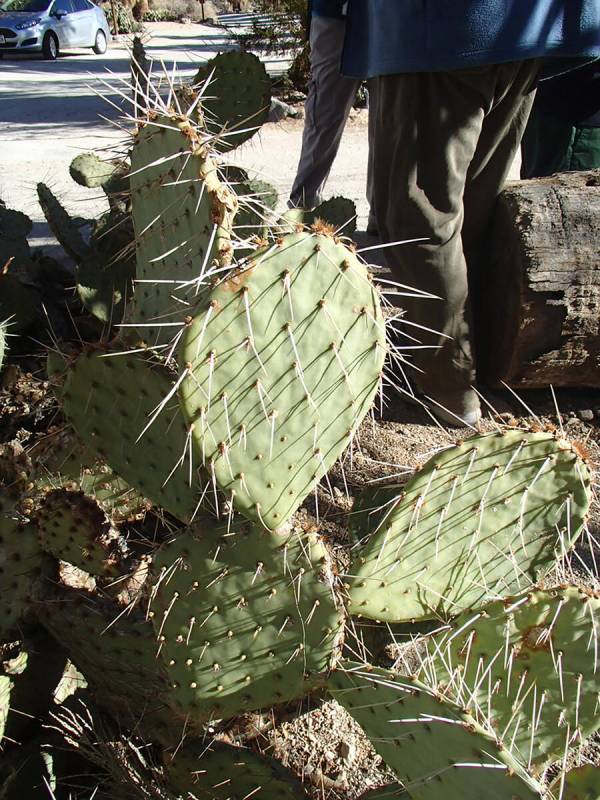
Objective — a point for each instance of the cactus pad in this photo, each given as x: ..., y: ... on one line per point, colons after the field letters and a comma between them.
x: 539, y: 655
x: 87, y: 169
x: 244, y: 620
x: 283, y: 366
x: 481, y: 519
x: 110, y: 399
x: 337, y: 211
x: 20, y: 565
x: 62, y: 460
x: 237, y: 98
x: 433, y: 746
x: 73, y: 528
x: 223, y: 772
x: 182, y: 219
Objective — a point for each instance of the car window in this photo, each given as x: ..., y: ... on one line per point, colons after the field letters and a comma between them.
x: 63, y: 6
x: 81, y: 5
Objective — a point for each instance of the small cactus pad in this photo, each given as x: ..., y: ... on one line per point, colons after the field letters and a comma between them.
x: 62, y: 460
x: 529, y: 668
x: 110, y: 399
x: 436, y: 749
x: 182, y: 219
x: 62, y: 226
x: 223, y: 772
x: 72, y: 527
x: 237, y: 97
x: 481, y: 519
x: 581, y: 783
x: 20, y: 565
x: 243, y: 620
x: 337, y: 211
x: 283, y: 366
x: 88, y: 169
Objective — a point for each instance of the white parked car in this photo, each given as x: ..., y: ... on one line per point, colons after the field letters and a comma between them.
x: 49, y: 26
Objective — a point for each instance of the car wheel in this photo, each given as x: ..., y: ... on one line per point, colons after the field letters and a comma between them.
x: 100, y: 43
x: 50, y: 47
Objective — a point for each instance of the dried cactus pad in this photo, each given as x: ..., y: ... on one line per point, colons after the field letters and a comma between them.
x: 74, y: 528
x: 243, y: 620
x: 237, y: 98
x: 182, y: 218
x: 284, y: 364
x: 20, y: 564
x: 481, y: 519
x: 435, y: 748
x: 110, y: 399
x: 581, y: 783
x: 223, y: 772
x: 539, y: 655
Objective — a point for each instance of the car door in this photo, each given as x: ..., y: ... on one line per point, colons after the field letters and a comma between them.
x: 85, y: 22
x: 62, y: 23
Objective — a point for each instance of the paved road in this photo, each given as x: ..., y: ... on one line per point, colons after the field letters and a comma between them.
x: 50, y: 111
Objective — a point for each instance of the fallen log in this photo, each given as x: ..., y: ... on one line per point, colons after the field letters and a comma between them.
x: 537, y: 310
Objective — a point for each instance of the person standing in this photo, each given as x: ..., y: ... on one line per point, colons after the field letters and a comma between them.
x: 328, y: 103
x: 455, y: 83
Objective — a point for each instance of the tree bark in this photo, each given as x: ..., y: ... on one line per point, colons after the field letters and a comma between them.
x: 537, y: 308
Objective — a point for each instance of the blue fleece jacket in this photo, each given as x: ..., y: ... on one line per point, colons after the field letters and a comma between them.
x: 327, y: 8
x: 384, y: 37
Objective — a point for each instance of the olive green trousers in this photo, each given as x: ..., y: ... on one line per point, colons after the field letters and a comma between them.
x: 443, y: 145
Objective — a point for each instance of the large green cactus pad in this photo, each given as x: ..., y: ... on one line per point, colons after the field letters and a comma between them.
x: 581, y: 783
x: 435, y: 748
x: 481, y: 519
x: 182, y: 219
x: 284, y: 364
x: 20, y: 566
x: 110, y: 399
x: 223, y: 772
x: 539, y: 655
x: 238, y: 97
x: 244, y: 620
x: 74, y: 528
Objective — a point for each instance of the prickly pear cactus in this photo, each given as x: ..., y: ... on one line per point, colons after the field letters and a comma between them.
x: 88, y: 169
x: 62, y: 460
x: 21, y: 561
x: 182, y: 216
x: 529, y: 667
x: 62, y: 226
x: 111, y: 400
x: 223, y: 772
x: 340, y: 212
x: 479, y: 520
x: 435, y: 748
x: 73, y: 527
x: 236, y: 96
x: 282, y: 367
x: 244, y: 619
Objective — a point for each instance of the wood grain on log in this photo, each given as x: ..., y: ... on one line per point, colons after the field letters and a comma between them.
x: 538, y: 308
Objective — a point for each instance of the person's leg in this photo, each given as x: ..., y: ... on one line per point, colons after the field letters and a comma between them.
x: 586, y: 149
x: 546, y: 146
x: 372, y: 226
x: 501, y: 134
x: 426, y: 134
x: 330, y: 98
